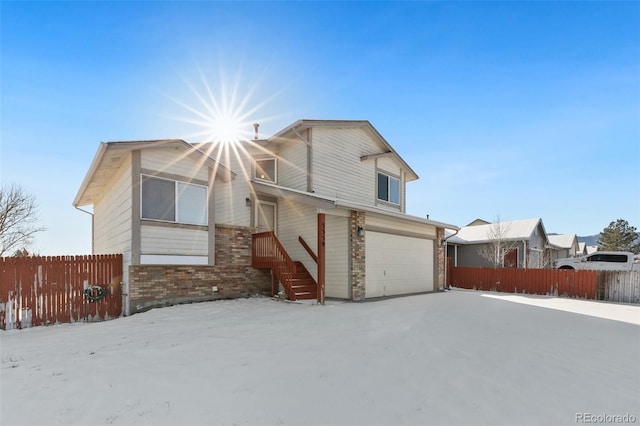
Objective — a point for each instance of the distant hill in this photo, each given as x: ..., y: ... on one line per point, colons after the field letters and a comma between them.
x: 591, y: 240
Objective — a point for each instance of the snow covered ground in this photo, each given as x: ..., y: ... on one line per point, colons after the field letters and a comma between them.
x: 460, y: 357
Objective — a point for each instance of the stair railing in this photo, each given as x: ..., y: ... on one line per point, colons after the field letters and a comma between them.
x: 268, y: 252
x: 308, y: 249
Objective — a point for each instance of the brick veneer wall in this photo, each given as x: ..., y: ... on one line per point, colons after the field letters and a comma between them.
x: 162, y: 285
x: 358, y: 278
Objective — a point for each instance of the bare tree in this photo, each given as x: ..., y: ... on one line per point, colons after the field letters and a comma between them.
x: 23, y: 252
x: 498, y: 245
x: 18, y: 218
x: 539, y: 259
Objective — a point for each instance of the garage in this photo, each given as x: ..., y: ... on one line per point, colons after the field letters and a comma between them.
x: 397, y: 264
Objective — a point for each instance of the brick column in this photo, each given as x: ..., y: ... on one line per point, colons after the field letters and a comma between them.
x: 358, y: 279
x: 441, y: 258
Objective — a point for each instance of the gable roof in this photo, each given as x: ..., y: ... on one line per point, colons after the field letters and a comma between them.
x: 109, y: 157
x: 388, y: 150
x: 479, y: 222
x: 582, y: 248
x: 563, y: 241
x: 515, y: 230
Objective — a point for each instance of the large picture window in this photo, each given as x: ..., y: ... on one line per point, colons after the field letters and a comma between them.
x: 388, y: 188
x: 173, y: 201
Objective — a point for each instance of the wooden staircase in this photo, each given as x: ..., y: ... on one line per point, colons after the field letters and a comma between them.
x: 302, y: 284
x: 268, y: 253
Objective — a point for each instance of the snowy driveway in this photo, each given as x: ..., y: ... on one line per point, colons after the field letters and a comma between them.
x: 443, y: 359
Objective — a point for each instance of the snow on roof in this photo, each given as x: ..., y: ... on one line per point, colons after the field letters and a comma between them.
x: 563, y: 240
x: 512, y: 230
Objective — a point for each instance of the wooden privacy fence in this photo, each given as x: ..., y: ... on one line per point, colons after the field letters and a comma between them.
x: 613, y: 286
x: 555, y: 282
x: 48, y: 290
x: 619, y: 286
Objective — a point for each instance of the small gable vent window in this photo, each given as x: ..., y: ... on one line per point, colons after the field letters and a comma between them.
x: 173, y: 201
x: 266, y: 169
x: 388, y: 188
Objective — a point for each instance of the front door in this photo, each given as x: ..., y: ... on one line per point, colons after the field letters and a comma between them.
x: 511, y: 258
x: 266, y: 216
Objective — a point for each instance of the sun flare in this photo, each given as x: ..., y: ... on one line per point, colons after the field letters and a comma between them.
x: 227, y: 128
x: 225, y: 119
x: 222, y: 113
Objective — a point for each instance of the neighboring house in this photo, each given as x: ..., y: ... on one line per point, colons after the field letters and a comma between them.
x: 479, y: 222
x: 326, y: 198
x: 563, y: 246
x: 526, y: 242
x: 592, y: 249
x: 582, y: 249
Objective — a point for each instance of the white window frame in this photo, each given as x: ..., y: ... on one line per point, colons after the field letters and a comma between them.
x: 275, y: 169
x: 389, y: 178
x: 176, y: 201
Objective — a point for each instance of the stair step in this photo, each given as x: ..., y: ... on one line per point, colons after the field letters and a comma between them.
x: 300, y: 284
x: 306, y: 296
x: 305, y: 288
x: 301, y: 279
x: 300, y: 275
x: 305, y: 282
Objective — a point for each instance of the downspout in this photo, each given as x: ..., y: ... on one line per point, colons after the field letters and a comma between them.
x: 91, y: 214
x: 455, y: 254
x: 444, y: 241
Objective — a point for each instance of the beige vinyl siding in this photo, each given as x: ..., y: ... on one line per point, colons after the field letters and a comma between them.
x: 292, y: 165
x: 173, y: 241
x: 112, y: 214
x: 300, y: 220
x: 230, y: 197
x: 337, y: 257
x: 402, y: 227
x: 295, y: 219
x: 175, y: 161
x: 386, y: 164
x: 337, y: 168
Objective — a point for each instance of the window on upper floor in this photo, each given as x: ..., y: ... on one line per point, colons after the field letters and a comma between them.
x: 266, y: 169
x: 173, y: 201
x: 388, y: 188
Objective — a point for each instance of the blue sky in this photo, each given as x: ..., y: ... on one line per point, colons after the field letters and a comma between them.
x: 516, y: 109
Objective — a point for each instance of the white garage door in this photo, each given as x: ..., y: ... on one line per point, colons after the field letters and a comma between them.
x: 397, y: 264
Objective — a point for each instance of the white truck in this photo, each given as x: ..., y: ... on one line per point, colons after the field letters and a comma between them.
x: 602, y: 261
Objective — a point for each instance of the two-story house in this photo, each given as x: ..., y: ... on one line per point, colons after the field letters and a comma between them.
x: 317, y: 209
